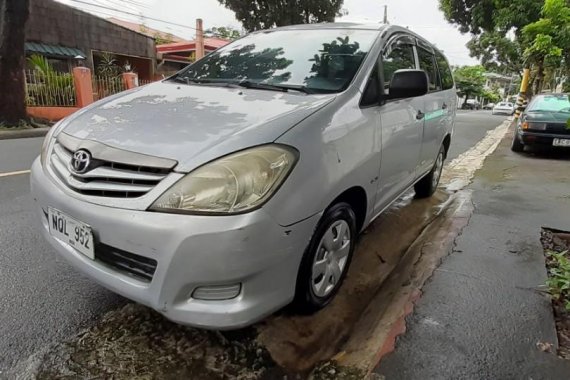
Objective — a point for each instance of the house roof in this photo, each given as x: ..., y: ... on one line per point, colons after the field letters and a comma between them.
x: 210, y: 43
x: 147, y: 31
x: 52, y: 50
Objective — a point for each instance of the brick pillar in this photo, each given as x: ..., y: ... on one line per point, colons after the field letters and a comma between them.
x: 199, y: 39
x: 83, y: 86
x: 130, y: 80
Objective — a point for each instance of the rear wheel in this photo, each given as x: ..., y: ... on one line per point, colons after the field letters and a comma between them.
x: 428, y: 185
x: 517, y: 146
x: 326, y: 259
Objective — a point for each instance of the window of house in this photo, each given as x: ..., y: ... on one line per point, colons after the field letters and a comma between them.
x: 427, y: 64
x: 444, y: 71
x: 400, y: 56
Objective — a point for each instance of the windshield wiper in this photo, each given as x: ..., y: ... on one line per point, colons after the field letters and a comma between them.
x: 274, y: 87
x: 189, y: 80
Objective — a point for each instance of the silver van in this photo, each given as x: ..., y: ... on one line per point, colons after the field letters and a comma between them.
x: 240, y: 184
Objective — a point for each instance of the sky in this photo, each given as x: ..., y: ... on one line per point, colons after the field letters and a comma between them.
x: 420, y: 16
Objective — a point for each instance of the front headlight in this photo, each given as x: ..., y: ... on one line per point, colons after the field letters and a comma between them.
x: 232, y: 184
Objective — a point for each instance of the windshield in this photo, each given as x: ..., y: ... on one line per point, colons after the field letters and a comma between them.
x: 550, y: 103
x: 319, y: 60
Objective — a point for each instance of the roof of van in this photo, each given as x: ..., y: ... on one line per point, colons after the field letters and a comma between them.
x: 331, y: 25
x: 380, y: 27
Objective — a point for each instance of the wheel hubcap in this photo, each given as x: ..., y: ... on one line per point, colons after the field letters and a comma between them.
x: 437, y: 170
x: 331, y: 258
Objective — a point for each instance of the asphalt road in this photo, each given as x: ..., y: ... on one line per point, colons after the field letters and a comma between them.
x: 42, y: 298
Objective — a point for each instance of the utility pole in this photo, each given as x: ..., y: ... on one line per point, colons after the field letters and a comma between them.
x: 386, y: 14
x: 199, y: 39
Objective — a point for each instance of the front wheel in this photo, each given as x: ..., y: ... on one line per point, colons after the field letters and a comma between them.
x: 428, y: 185
x: 326, y: 259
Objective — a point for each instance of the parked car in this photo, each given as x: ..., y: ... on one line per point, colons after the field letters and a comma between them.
x: 489, y: 106
x: 471, y: 104
x: 240, y: 184
x: 545, y: 123
x: 504, y: 108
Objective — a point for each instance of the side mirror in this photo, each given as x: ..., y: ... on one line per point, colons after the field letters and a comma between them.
x: 408, y: 84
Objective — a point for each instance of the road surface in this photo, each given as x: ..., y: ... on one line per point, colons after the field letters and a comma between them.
x: 43, y: 299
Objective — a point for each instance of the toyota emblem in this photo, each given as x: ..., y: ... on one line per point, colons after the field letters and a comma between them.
x: 80, y: 161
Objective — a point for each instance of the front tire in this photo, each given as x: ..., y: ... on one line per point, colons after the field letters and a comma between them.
x: 326, y: 260
x: 428, y: 185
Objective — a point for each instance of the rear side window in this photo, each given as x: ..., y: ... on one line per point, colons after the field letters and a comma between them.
x: 400, y: 56
x: 427, y: 64
x: 444, y: 71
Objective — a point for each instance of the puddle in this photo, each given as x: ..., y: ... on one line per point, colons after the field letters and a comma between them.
x: 394, y: 257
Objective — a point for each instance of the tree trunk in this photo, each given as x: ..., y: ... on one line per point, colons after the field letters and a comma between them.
x: 539, y: 83
x: 12, y: 59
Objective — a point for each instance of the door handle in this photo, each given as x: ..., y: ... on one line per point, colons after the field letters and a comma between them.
x: 444, y: 106
x: 420, y: 115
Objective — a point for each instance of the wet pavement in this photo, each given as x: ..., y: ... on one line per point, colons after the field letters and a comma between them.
x: 484, y: 315
x: 46, y: 301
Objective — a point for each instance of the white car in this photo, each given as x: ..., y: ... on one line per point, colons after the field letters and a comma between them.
x: 504, y: 108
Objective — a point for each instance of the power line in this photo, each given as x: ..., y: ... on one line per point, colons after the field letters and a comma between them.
x: 132, y: 14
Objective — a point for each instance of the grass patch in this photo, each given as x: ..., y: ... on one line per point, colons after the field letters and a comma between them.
x: 557, y: 253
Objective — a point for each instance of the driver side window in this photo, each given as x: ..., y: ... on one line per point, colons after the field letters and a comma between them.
x: 399, y: 56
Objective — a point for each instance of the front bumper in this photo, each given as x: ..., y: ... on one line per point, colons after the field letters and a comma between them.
x: 191, y: 251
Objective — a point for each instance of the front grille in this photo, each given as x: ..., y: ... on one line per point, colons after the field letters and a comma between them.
x: 137, y: 266
x: 105, y: 178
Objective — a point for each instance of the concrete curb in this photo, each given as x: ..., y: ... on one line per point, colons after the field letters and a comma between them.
x: 23, y: 133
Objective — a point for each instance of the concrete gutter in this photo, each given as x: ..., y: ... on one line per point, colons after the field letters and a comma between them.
x: 7, y: 134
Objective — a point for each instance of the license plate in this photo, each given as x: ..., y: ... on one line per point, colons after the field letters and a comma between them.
x: 561, y: 142
x: 71, y: 231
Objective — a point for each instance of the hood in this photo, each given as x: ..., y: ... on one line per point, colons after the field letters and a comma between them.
x: 192, y: 124
x: 548, y: 117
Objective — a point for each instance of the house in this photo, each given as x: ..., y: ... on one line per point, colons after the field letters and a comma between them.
x: 174, y: 56
x: 159, y: 36
x: 69, y: 37
x: 499, y: 82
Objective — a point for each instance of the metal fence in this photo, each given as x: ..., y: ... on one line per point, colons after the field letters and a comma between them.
x: 142, y: 82
x: 104, y: 86
x: 49, y: 89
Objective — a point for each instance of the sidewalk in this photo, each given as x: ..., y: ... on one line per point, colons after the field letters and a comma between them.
x: 6, y: 134
x: 481, y: 316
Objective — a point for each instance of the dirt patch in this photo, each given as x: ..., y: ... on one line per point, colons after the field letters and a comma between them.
x: 136, y: 342
x: 558, y: 243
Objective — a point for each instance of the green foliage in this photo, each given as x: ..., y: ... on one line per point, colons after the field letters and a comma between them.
x: 264, y: 14
x: 469, y: 80
x: 559, y: 277
x: 225, y: 32
x: 48, y: 87
x: 108, y: 66
x: 491, y: 95
x: 492, y: 24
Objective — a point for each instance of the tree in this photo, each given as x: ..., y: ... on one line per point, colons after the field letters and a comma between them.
x: 14, y: 14
x: 469, y: 81
x: 264, y: 14
x: 225, y: 32
x: 547, y: 40
x: 496, y: 28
